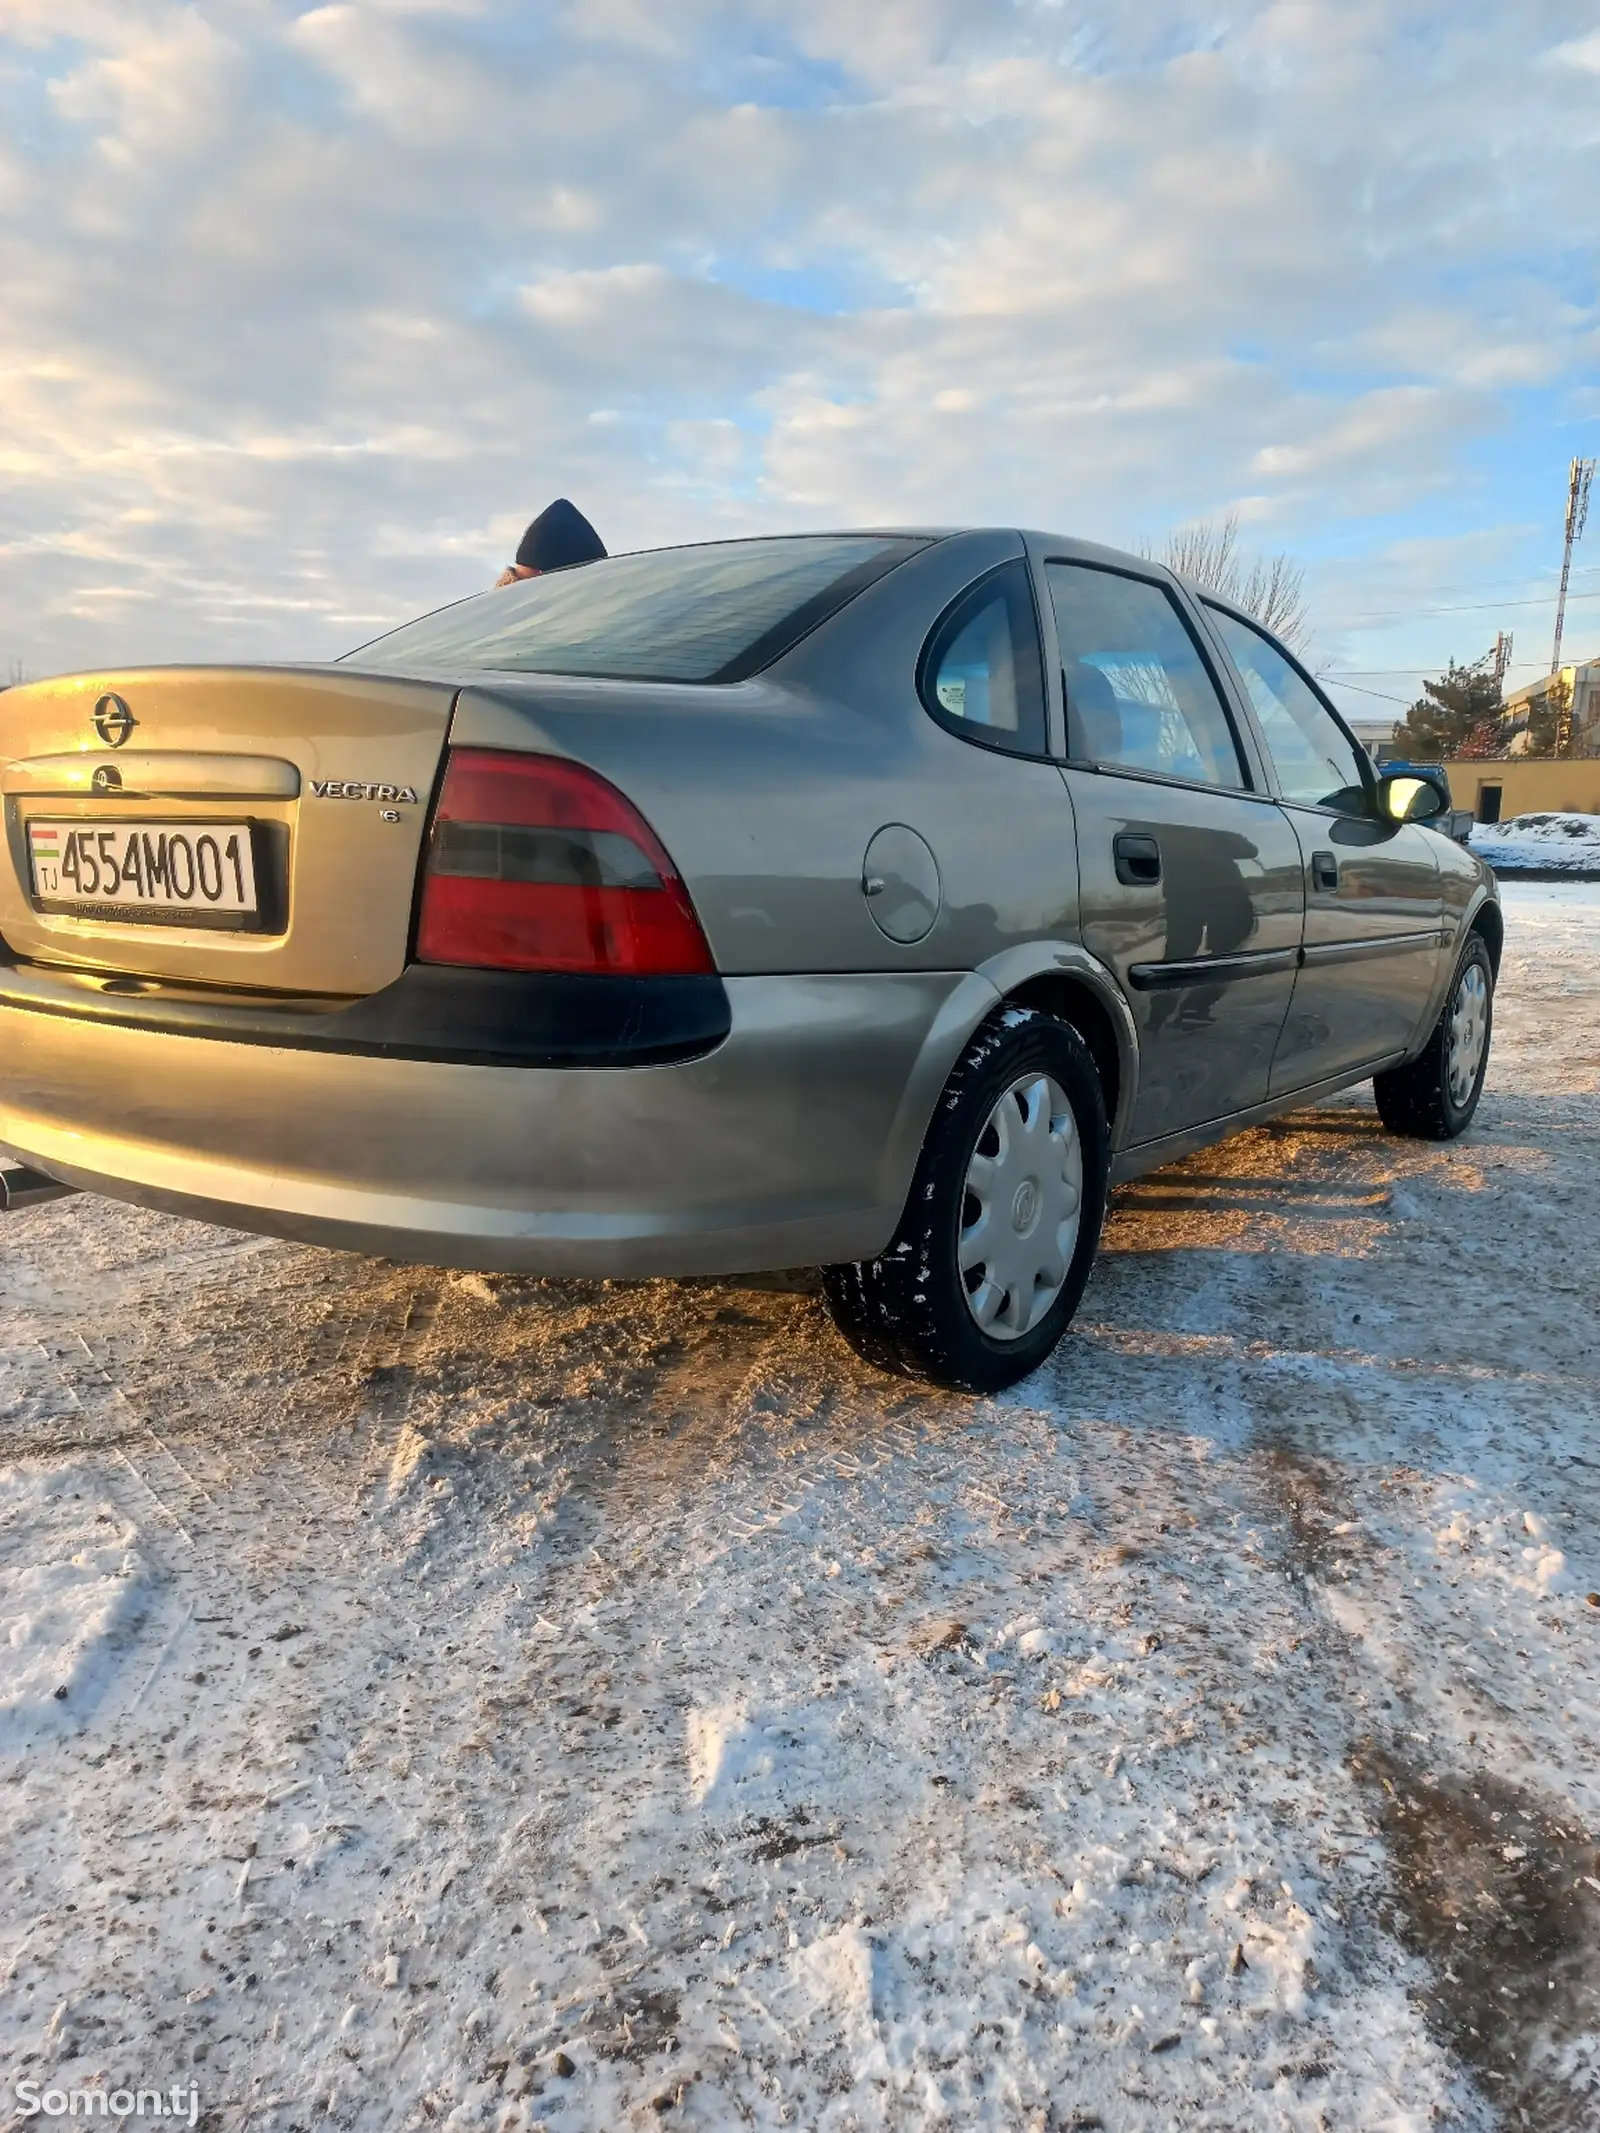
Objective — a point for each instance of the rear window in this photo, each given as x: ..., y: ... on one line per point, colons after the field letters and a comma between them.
x: 714, y: 613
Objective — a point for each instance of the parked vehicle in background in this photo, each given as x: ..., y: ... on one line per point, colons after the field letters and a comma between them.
x: 1455, y: 821
x: 867, y: 900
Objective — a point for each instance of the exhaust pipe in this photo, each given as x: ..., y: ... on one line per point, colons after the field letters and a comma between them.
x: 22, y: 1187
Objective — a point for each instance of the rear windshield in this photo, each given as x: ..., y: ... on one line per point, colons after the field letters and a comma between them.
x: 712, y: 613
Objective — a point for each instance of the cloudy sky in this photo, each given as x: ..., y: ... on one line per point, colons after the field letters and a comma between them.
x: 305, y: 310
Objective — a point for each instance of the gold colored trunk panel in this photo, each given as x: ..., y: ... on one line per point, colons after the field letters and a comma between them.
x: 263, y: 744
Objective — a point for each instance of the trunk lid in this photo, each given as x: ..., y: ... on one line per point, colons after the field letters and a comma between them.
x: 329, y: 774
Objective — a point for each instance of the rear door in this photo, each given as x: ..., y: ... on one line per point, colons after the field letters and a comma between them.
x: 300, y: 795
x: 1374, y: 906
x: 1189, y: 878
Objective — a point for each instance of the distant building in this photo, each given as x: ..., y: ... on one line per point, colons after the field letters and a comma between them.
x: 1522, y: 705
x: 1373, y: 733
x: 1495, y: 792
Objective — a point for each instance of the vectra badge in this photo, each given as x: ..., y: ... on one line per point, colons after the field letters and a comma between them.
x: 356, y: 789
x: 113, y: 721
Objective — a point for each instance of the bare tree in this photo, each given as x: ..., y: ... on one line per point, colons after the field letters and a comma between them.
x: 1207, y: 551
x: 1274, y: 592
x: 1272, y: 588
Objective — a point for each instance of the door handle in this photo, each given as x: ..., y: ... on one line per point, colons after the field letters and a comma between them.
x: 1324, y: 871
x: 1137, y: 860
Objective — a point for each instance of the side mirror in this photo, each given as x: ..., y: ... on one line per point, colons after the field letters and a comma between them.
x: 1408, y: 799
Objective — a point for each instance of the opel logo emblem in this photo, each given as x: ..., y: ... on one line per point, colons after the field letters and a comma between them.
x: 113, y: 721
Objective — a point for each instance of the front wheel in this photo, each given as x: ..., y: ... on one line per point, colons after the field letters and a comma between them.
x: 1433, y: 1097
x: 1003, y: 1219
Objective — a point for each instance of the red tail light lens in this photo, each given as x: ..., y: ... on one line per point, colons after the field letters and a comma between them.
x: 539, y: 864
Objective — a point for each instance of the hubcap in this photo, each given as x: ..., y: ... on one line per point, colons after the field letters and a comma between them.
x: 1469, y: 1033
x: 1020, y: 1208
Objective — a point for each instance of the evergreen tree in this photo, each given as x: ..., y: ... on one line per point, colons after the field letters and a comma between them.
x: 1548, y: 716
x: 1451, y: 716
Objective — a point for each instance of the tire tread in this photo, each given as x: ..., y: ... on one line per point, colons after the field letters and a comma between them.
x: 890, y: 1309
x: 1414, y: 1100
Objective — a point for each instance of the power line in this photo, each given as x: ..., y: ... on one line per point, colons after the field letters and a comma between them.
x: 1474, y: 607
x: 1415, y: 668
x: 1517, y: 585
x: 1509, y: 585
x: 1337, y: 681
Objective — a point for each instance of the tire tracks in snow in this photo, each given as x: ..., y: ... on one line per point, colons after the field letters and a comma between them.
x: 939, y: 1754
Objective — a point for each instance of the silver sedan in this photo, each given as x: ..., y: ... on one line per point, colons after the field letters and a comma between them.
x: 866, y: 900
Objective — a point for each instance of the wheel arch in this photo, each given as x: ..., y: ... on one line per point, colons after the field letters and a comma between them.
x: 1483, y: 917
x: 1489, y: 921
x: 1068, y: 982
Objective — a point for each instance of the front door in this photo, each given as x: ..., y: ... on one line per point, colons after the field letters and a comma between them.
x: 1374, y: 906
x: 1189, y: 883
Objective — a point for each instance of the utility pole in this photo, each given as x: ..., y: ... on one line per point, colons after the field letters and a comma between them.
x: 1579, y: 476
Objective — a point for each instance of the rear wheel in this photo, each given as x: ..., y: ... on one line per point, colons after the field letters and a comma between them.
x: 1003, y: 1218
x: 1433, y: 1097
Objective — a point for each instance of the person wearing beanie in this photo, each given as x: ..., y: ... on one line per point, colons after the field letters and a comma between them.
x: 558, y: 538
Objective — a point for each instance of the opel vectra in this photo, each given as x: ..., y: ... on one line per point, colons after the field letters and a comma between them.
x: 870, y: 901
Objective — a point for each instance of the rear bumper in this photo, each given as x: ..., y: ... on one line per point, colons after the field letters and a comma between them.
x: 790, y: 1144
x: 431, y: 1011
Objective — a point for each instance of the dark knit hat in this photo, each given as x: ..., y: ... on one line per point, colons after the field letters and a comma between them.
x: 559, y: 537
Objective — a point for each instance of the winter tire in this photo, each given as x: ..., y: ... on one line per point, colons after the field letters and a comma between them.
x: 1433, y: 1097
x: 1003, y: 1219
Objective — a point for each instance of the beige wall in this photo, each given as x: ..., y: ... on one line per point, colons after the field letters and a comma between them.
x: 1571, y: 786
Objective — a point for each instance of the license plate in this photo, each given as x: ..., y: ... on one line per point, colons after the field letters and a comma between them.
x: 150, y: 870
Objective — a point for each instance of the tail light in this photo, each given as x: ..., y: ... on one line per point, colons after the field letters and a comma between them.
x: 538, y: 864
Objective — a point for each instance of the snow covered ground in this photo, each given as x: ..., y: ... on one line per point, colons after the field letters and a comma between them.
x: 473, y: 1702
x: 1548, y: 843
